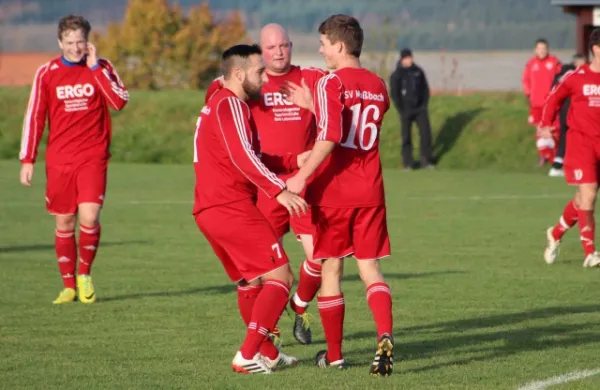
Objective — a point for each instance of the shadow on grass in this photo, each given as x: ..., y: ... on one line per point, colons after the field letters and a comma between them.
x: 468, y: 337
x: 451, y: 130
x: 48, y: 247
x: 401, y: 276
x: 223, y: 289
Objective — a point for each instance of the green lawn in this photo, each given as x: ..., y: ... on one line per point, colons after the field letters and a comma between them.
x: 475, y: 306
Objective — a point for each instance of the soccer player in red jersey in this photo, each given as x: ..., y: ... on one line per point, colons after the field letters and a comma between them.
x: 283, y: 128
x: 230, y: 170
x: 582, y: 159
x: 347, y: 192
x: 74, y: 92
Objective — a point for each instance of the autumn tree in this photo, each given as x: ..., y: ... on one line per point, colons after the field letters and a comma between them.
x: 158, y: 46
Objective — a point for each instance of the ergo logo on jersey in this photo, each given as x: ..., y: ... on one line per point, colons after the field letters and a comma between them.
x: 591, y: 90
x: 275, y: 99
x: 74, y: 91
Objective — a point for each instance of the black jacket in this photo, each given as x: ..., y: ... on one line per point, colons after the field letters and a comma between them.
x: 409, y: 88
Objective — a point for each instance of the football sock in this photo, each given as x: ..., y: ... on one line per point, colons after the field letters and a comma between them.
x: 331, y: 310
x: 267, y: 309
x: 89, y: 238
x: 246, y: 298
x: 66, y: 253
x: 587, y: 228
x: 379, y: 298
x: 308, y: 286
x: 567, y: 220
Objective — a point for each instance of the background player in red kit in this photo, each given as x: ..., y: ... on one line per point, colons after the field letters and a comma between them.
x: 582, y: 158
x: 538, y: 76
x: 229, y: 173
x: 74, y: 92
x: 283, y: 128
x: 347, y: 191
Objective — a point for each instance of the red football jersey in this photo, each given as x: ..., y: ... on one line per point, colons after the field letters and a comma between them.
x: 582, y: 85
x: 538, y: 77
x: 227, y: 160
x: 75, y: 99
x: 349, y: 107
x: 282, y: 126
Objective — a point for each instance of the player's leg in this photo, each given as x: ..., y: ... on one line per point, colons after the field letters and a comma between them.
x: 371, y: 243
x: 587, y: 224
x: 554, y: 234
x: 332, y: 309
x: 91, y: 188
x: 61, y: 202
x: 581, y: 170
x: 257, y: 253
x: 332, y: 243
x: 309, y: 278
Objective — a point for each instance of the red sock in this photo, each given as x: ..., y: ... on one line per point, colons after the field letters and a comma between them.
x: 308, y: 286
x: 269, y: 305
x: 379, y: 298
x: 567, y: 220
x: 66, y: 253
x: 89, y: 237
x: 246, y: 298
x: 332, y: 311
x: 587, y: 229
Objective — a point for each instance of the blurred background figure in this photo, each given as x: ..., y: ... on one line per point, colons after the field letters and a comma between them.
x: 410, y: 94
x: 557, y: 164
x: 538, y: 76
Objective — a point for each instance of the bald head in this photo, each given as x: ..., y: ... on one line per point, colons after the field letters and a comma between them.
x: 277, y: 48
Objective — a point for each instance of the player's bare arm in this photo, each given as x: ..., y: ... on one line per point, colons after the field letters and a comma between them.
x: 319, y: 153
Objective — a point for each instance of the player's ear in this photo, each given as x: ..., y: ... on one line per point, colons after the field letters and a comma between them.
x: 60, y: 44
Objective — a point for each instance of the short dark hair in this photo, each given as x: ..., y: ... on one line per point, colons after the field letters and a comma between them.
x: 345, y: 29
x: 578, y: 56
x: 237, y: 56
x: 541, y: 40
x: 595, y: 38
x: 73, y: 23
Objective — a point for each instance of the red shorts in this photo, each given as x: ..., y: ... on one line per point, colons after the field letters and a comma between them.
x: 281, y: 220
x: 242, y: 239
x: 535, y: 115
x: 67, y: 186
x: 341, y: 232
x: 582, y: 159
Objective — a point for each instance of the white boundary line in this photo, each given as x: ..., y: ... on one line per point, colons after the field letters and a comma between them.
x: 558, y: 380
x: 473, y: 198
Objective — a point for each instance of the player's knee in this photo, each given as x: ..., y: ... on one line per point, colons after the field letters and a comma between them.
x: 587, y: 198
x: 369, y: 271
x: 65, y: 222
x: 89, y: 216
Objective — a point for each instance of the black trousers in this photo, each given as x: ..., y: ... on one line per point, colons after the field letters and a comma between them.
x: 421, y: 117
x: 562, y: 141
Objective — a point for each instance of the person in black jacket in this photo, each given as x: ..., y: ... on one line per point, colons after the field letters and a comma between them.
x: 557, y: 165
x: 410, y: 94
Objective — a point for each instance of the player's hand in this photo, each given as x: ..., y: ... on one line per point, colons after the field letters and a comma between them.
x: 300, y: 95
x: 302, y: 158
x: 26, y: 174
x: 92, y: 56
x: 295, y: 184
x: 545, y: 132
x: 292, y: 202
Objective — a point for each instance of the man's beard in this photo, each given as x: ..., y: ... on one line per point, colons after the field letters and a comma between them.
x: 253, y: 91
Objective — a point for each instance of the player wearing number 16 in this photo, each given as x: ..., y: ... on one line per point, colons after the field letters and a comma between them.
x: 347, y: 191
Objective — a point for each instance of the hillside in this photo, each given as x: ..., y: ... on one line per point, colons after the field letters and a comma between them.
x: 422, y: 24
x: 480, y: 131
